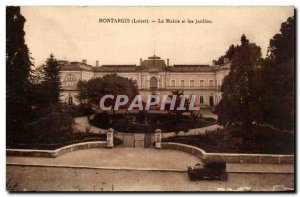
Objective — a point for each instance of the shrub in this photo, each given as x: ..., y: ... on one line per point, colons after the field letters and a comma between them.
x: 52, y: 129
x: 55, y: 120
x: 102, y: 120
x: 80, y: 110
x: 235, y: 140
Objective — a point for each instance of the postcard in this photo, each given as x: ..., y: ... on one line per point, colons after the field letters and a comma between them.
x: 150, y: 99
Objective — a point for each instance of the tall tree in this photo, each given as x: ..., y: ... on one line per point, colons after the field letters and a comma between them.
x: 240, y: 93
x: 52, y: 82
x: 18, y: 70
x: 282, y: 45
x: 278, y: 78
x: 229, y: 54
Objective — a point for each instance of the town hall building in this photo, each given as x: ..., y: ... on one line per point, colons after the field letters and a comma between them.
x: 153, y: 76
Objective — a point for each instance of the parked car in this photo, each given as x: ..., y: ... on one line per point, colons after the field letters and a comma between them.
x: 215, y: 169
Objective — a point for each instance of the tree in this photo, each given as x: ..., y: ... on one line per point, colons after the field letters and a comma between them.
x: 282, y: 45
x: 38, y: 95
x: 51, y: 83
x: 18, y: 71
x: 229, y: 54
x: 82, y: 92
x: 240, y: 93
x: 92, y: 90
x: 278, y: 78
x: 38, y: 75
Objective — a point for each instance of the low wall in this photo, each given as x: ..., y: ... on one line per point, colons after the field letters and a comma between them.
x: 183, y: 147
x: 231, y: 157
x: 57, y: 152
x: 252, y: 158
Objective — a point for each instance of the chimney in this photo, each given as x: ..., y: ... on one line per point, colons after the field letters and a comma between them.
x: 84, y: 61
x: 214, y: 62
x: 226, y: 60
x: 141, y: 61
x: 168, y: 62
x: 97, y: 63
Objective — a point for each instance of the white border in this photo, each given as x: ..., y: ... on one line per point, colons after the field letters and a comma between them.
x: 3, y: 3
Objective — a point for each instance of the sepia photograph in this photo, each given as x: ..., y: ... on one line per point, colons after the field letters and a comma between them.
x: 150, y: 99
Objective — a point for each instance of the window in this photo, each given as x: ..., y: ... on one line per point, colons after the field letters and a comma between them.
x: 70, y: 83
x: 201, y: 99
x: 211, y: 83
x: 153, y: 82
x: 172, y: 83
x: 192, y: 83
x: 182, y: 83
x: 70, y: 80
x: 216, y: 82
x: 201, y: 83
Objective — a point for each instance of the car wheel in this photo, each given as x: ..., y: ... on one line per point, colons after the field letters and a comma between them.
x: 192, y: 176
x: 223, y: 177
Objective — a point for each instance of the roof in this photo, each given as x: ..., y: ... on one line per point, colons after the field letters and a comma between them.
x: 76, y: 66
x: 134, y: 68
x: 226, y: 66
x: 116, y: 68
x: 151, y: 62
x: 192, y: 68
x: 154, y: 57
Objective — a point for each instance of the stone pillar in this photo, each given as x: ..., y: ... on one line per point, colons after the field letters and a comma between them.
x: 158, y: 138
x: 110, y: 138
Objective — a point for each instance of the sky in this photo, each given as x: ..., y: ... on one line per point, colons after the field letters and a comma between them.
x: 74, y: 33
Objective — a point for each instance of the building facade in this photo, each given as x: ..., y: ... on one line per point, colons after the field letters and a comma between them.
x: 153, y: 75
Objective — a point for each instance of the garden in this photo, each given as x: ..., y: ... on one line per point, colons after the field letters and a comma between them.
x: 142, y: 122
x: 263, y: 140
x: 52, y: 129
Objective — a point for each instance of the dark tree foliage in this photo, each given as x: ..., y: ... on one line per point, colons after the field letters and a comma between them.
x: 18, y: 71
x: 52, y: 82
x: 47, y: 83
x: 240, y: 92
x: 229, y: 54
x: 55, y: 120
x: 278, y: 78
x: 282, y: 45
x: 92, y: 90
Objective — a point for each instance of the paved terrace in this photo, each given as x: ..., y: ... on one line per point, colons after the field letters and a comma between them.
x: 139, y: 159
